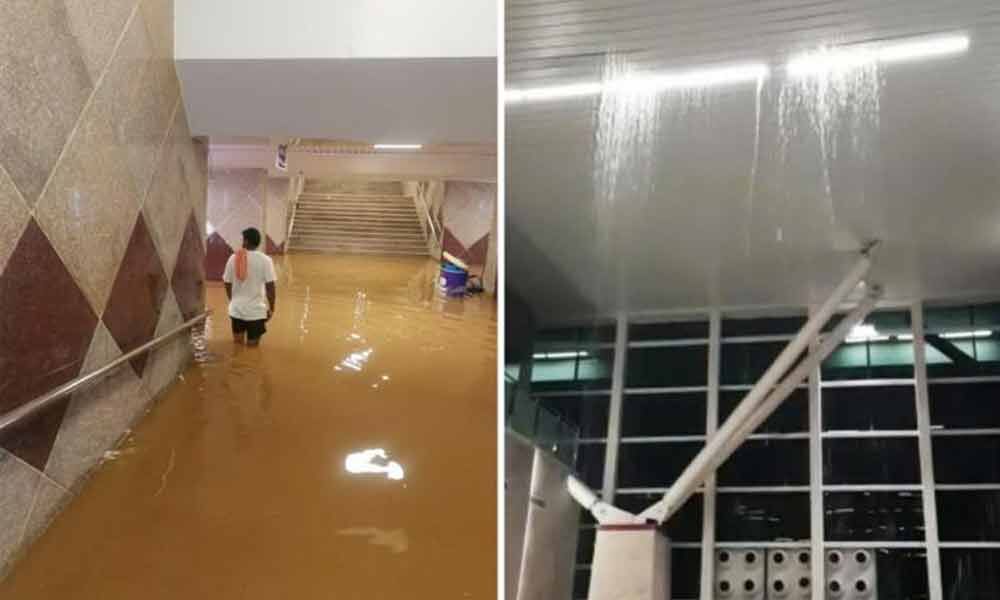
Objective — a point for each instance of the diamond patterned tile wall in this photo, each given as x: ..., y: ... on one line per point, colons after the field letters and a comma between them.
x: 188, y: 279
x: 46, y: 326
x: 137, y: 295
x: 276, y: 215
x: 467, y: 215
x: 102, y: 220
x: 236, y: 201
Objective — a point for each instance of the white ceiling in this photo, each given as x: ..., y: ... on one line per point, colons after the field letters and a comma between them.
x: 392, y: 100
x: 688, y: 231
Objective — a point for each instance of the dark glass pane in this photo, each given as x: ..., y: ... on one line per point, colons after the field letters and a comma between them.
x: 970, y: 574
x: 589, y: 370
x: 585, y: 545
x: 965, y: 406
x: 762, y: 517
x: 963, y: 340
x: 585, y: 517
x: 966, y: 459
x: 560, y: 335
x: 883, y: 460
x: 581, y: 584
x: 791, y: 417
x: 767, y: 462
x: 590, y: 464
x: 874, y: 516
x: 685, y: 573
x: 663, y: 414
x: 963, y: 354
x: 902, y: 574
x: 868, y: 408
x: 744, y: 363
x: 891, y: 359
x: 677, y: 330
x: 986, y: 316
x: 667, y: 367
x: 763, y: 326
x: 588, y: 413
x: 685, y: 526
x: 569, y: 335
x: 948, y: 318
x: 891, y: 322
x: 653, y: 464
x: 969, y: 516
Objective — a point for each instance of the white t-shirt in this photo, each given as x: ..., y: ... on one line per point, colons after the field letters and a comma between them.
x: 249, y: 301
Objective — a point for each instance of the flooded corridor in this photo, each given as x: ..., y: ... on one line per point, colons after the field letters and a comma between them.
x: 250, y: 477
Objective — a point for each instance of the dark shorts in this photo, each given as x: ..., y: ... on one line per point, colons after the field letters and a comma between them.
x: 253, y: 329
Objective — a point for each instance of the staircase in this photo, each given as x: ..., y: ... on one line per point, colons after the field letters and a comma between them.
x: 356, y: 223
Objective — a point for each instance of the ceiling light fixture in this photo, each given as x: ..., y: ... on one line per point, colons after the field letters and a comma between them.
x: 839, y: 59
x: 560, y: 355
x: 398, y: 146
x: 696, y: 78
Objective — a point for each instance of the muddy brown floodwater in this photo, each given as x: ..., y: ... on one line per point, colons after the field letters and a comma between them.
x: 351, y: 456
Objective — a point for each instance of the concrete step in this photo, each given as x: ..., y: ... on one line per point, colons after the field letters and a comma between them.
x: 362, y: 203
x: 358, y: 219
x: 356, y: 199
x: 388, y: 232
x: 368, y: 210
x: 355, y: 250
x: 359, y: 245
x: 331, y: 196
x: 373, y: 235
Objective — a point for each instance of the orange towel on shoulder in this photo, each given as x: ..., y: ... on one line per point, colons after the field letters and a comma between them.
x: 241, y: 264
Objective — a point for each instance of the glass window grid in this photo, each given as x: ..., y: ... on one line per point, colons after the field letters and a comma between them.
x: 871, y: 377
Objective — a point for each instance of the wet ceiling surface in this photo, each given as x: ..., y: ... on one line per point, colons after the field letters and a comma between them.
x: 744, y: 195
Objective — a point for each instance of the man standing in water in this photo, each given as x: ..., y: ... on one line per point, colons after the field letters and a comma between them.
x: 249, y: 275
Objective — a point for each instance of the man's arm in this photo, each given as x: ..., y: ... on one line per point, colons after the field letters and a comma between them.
x: 227, y: 277
x: 271, y: 297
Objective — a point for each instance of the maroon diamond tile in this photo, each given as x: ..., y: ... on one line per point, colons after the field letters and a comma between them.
x: 45, y: 329
x: 188, y: 279
x: 474, y: 255
x: 217, y: 252
x: 273, y: 248
x: 137, y: 295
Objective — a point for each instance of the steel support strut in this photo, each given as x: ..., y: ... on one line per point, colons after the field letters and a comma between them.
x: 765, y: 397
x: 668, y: 506
x: 735, y: 430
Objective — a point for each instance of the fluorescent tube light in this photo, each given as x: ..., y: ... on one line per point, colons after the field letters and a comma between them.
x: 847, y: 58
x: 398, y: 146
x: 695, y: 78
x: 560, y: 355
x: 964, y: 335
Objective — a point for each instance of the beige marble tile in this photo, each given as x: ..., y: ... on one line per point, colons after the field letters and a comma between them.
x: 16, y: 496
x: 167, y: 206
x: 140, y: 105
x: 97, y: 27
x: 194, y: 159
x: 159, y: 16
x: 159, y: 19
x: 15, y: 217
x: 45, y: 86
x: 90, y: 206
x: 235, y: 202
x: 97, y: 417
x: 50, y: 499
x: 168, y: 360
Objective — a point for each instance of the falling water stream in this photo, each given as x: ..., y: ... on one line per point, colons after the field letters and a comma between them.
x: 825, y: 127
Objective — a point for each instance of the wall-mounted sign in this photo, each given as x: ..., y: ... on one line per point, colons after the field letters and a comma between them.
x: 282, y: 160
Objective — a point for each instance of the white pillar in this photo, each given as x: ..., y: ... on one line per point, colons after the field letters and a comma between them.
x: 631, y: 562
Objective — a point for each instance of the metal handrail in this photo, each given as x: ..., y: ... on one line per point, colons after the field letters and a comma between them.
x: 291, y: 222
x: 438, y: 237
x: 26, y: 411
